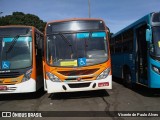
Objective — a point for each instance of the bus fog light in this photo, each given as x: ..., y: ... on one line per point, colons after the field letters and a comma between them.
x: 27, y: 75
x: 104, y: 74
x: 53, y: 77
x: 155, y: 69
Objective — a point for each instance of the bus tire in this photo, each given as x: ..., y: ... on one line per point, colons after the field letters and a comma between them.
x: 127, y: 79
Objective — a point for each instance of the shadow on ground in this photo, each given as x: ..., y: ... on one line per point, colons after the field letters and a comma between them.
x: 147, y: 92
x: 79, y: 95
x: 22, y: 96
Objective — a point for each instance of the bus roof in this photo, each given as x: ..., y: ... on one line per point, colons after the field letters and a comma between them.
x: 9, y: 26
x: 73, y: 19
x: 76, y: 19
x: 20, y: 26
x: 146, y: 19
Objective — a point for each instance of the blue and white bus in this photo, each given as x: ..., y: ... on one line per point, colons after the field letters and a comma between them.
x: 135, y: 52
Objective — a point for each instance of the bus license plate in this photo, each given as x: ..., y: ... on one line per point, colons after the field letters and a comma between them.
x: 3, y: 87
x: 103, y: 84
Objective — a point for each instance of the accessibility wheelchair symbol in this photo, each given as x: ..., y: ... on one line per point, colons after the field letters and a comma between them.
x: 5, y: 64
x: 81, y: 61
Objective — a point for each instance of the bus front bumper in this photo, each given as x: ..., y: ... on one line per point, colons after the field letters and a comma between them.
x: 56, y: 87
x: 24, y: 87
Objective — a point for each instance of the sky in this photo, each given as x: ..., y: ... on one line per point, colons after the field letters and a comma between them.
x: 117, y: 14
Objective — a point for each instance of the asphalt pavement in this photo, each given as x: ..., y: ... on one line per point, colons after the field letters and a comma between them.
x: 115, y: 104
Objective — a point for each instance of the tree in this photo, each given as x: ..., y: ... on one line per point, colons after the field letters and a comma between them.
x: 19, y: 18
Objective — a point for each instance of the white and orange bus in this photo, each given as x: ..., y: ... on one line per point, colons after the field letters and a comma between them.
x: 77, y: 56
x: 20, y: 59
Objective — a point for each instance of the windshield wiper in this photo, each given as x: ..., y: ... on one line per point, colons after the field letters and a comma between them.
x: 12, y: 44
x: 67, y: 41
x: 64, y: 38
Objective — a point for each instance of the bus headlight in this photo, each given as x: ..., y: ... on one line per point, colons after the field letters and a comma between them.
x: 53, y: 77
x: 104, y: 74
x: 27, y: 75
x: 155, y: 69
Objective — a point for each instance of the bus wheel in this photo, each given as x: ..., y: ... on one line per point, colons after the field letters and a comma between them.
x: 127, y: 80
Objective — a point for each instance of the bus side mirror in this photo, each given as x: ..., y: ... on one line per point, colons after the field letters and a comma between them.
x: 148, y: 35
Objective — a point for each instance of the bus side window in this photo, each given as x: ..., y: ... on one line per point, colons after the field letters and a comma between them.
x: 112, y: 46
x: 118, y: 44
x: 128, y: 41
x: 38, y: 41
x: 38, y: 44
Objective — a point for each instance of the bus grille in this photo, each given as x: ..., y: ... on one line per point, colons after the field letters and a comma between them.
x: 10, y: 75
x: 75, y: 79
x: 78, y: 72
x: 79, y: 85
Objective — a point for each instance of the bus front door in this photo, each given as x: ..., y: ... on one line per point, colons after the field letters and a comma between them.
x: 141, y: 55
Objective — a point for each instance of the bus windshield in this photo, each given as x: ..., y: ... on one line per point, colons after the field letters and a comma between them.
x: 66, y: 49
x: 15, y: 48
x: 69, y: 41
x: 156, y: 41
